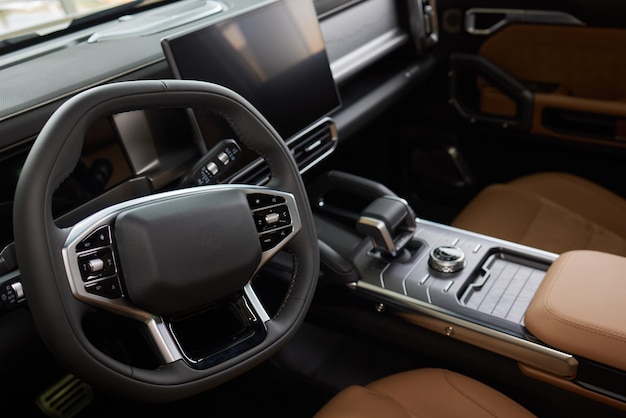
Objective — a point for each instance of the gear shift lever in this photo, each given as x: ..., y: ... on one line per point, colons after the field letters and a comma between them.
x: 390, y: 223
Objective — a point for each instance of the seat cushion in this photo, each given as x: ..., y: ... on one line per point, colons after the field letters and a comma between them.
x: 556, y: 212
x: 422, y: 393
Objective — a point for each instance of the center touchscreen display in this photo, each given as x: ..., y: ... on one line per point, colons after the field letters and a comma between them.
x: 273, y: 56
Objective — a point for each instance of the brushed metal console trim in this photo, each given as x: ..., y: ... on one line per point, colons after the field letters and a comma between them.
x: 441, y: 321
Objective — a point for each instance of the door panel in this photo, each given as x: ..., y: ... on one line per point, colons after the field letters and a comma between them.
x: 575, y: 74
x: 535, y: 86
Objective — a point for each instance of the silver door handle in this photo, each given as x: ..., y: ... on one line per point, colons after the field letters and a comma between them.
x: 490, y: 22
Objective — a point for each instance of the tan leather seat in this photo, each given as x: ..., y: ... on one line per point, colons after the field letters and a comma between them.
x: 422, y: 393
x: 552, y: 211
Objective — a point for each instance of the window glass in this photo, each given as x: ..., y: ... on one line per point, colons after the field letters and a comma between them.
x: 44, y: 16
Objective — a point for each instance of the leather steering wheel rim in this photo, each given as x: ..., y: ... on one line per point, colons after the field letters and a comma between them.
x: 39, y: 241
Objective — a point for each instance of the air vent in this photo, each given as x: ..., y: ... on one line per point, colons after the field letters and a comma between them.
x: 314, y: 144
x: 308, y: 148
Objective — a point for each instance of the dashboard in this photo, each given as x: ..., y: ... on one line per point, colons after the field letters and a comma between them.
x: 297, y: 62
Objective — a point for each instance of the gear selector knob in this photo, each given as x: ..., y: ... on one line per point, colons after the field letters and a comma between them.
x: 390, y: 223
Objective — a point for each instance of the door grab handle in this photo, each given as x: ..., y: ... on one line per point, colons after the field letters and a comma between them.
x: 462, y: 64
x: 509, y: 16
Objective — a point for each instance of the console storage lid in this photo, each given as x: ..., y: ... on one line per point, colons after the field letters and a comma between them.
x: 579, y: 307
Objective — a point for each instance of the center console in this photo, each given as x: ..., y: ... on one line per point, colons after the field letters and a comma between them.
x: 471, y: 276
x: 467, y: 286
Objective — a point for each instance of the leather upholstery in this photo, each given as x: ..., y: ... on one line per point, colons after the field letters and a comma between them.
x: 569, y: 310
x: 422, y: 393
x: 567, y: 56
x: 556, y: 212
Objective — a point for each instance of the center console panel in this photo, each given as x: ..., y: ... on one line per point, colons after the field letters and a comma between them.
x: 493, y: 288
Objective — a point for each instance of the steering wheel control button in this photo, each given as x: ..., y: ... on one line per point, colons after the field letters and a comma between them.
x: 101, y: 237
x: 271, y: 239
x: 447, y: 259
x: 97, y: 265
x: 261, y: 200
x: 109, y: 288
x: 272, y: 218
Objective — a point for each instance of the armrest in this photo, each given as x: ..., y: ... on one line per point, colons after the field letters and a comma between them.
x: 579, y: 307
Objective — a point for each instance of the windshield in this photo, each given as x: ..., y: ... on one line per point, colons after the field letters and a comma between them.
x: 27, y: 18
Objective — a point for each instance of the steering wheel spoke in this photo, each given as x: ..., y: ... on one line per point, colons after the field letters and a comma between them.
x: 206, y: 338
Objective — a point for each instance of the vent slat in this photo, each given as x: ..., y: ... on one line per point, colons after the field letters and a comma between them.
x: 312, y: 146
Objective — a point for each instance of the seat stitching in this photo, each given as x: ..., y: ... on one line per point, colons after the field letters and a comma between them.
x: 596, y: 193
x: 382, y: 394
x: 527, y: 229
x: 547, y: 202
x: 459, y: 389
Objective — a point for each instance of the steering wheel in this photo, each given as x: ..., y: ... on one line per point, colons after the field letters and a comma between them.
x: 167, y: 257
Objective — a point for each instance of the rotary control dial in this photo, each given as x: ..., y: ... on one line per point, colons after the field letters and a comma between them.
x: 447, y: 259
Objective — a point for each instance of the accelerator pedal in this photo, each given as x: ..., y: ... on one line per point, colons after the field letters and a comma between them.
x: 65, y: 398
